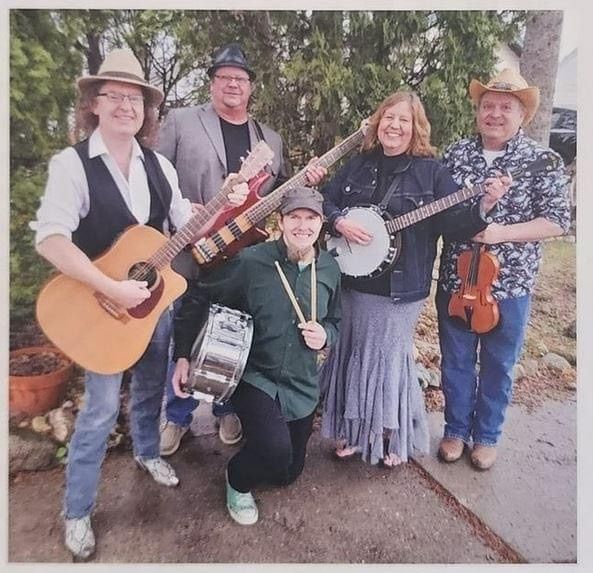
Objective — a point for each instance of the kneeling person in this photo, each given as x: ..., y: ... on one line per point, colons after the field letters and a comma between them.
x: 279, y: 390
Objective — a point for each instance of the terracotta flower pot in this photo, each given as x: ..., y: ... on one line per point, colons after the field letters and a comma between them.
x: 37, y: 393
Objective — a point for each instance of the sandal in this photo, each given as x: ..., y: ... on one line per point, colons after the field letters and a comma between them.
x: 344, y: 451
x: 390, y: 460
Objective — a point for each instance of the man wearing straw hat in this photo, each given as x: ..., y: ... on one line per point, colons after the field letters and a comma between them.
x: 535, y: 208
x: 292, y: 291
x: 204, y: 143
x: 96, y: 189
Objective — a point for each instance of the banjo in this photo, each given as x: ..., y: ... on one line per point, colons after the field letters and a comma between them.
x: 375, y: 258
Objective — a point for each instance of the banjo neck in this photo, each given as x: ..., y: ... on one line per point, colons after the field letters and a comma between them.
x: 430, y: 209
x: 546, y: 163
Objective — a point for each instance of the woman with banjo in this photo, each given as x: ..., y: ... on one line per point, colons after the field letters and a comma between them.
x: 373, y: 403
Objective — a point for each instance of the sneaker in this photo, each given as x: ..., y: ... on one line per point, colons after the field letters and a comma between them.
x: 159, y: 469
x: 229, y: 429
x: 483, y: 457
x: 241, y: 506
x: 171, y: 435
x: 451, y: 449
x: 79, y: 538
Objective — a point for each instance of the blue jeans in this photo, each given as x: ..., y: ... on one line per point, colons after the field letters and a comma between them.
x: 476, y: 396
x: 180, y: 410
x: 97, y: 418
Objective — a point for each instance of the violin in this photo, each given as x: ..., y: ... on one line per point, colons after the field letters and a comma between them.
x: 474, y: 303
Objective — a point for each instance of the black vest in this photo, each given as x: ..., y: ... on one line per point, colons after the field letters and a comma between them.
x: 108, y: 213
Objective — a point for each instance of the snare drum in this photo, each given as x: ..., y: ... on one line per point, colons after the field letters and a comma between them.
x: 219, y: 354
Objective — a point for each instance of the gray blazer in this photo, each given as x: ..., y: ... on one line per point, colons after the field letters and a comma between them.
x: 191, y: 138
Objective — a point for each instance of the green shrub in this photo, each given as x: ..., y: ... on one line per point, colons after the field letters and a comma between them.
x: 28, y: 270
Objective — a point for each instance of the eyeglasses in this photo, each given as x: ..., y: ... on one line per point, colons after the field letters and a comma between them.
x: 228, y: 79
x: 118, y: 98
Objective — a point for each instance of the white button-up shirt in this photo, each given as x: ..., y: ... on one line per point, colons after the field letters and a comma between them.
x: 66, y: 198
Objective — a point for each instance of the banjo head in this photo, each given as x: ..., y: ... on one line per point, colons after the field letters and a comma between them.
x: 369, y: 260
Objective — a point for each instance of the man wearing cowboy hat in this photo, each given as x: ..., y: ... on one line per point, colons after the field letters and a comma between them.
x: 205, y: 143
x: 95, y: 189
x: 535, y: 208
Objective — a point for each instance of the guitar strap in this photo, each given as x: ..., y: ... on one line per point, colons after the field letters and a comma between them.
x: 390, y: 191
x: 393, y: 187
x: 258, y: 129
x: 260, y: 137
x: 158, y: 180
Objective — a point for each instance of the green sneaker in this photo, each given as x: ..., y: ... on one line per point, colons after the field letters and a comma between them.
x: 241, y: 506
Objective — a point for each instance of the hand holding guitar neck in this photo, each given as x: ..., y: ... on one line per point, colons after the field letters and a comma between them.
x: 239, y: 190
x: 315, y: 172
x: 494, y: 189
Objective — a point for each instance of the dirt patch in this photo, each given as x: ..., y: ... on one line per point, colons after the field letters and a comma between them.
x: 336, y: 512
x: 36, y: 364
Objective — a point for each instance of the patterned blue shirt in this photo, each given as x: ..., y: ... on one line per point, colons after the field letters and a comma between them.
x: 543, y: 194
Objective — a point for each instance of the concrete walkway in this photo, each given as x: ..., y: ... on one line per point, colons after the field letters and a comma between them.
x: 529, y: 497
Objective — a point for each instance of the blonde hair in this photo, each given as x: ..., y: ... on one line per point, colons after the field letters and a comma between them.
x: 420, y: 145
x: 86, y: 121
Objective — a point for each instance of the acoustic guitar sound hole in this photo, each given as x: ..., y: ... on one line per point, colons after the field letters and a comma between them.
x: 144, y: 271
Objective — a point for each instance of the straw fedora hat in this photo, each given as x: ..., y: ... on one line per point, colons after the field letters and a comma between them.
x: 121, y: 65
x: 509, y: 81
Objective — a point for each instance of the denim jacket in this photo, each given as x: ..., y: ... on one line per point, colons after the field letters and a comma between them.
x: 423, y: 180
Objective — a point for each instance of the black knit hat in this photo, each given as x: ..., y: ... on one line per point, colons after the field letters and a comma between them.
x: 231, y: 55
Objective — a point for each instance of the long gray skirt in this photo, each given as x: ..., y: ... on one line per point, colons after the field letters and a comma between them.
x: 369, y: 380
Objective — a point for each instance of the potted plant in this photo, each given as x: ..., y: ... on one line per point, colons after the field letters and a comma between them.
x: 38, y: 377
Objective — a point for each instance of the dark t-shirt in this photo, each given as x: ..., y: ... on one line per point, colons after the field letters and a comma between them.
x: 236, y: 143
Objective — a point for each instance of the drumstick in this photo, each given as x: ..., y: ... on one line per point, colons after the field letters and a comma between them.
x: 290, y: 294
x: 313, y: 291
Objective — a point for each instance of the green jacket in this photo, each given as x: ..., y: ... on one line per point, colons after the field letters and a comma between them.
x: 280, y: 363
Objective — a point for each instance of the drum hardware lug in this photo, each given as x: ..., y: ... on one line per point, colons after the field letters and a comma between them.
x: 201, y: 396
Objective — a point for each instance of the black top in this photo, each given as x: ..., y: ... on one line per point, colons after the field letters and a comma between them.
x: 108, y: 214
x: 236, y: 143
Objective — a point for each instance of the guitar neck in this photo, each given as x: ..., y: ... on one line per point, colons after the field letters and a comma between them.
x: 271, y: 202
x: 430, y: 209
x: 188, y: 232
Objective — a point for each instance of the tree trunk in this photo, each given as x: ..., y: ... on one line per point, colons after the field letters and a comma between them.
x: 539, y: 64
x: 93, y: 56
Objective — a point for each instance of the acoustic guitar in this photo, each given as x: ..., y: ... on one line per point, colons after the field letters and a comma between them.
x: 97, y: 333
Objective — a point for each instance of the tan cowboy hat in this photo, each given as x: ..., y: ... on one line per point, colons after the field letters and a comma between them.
x: 509, y: 81
x: 122, y: 66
